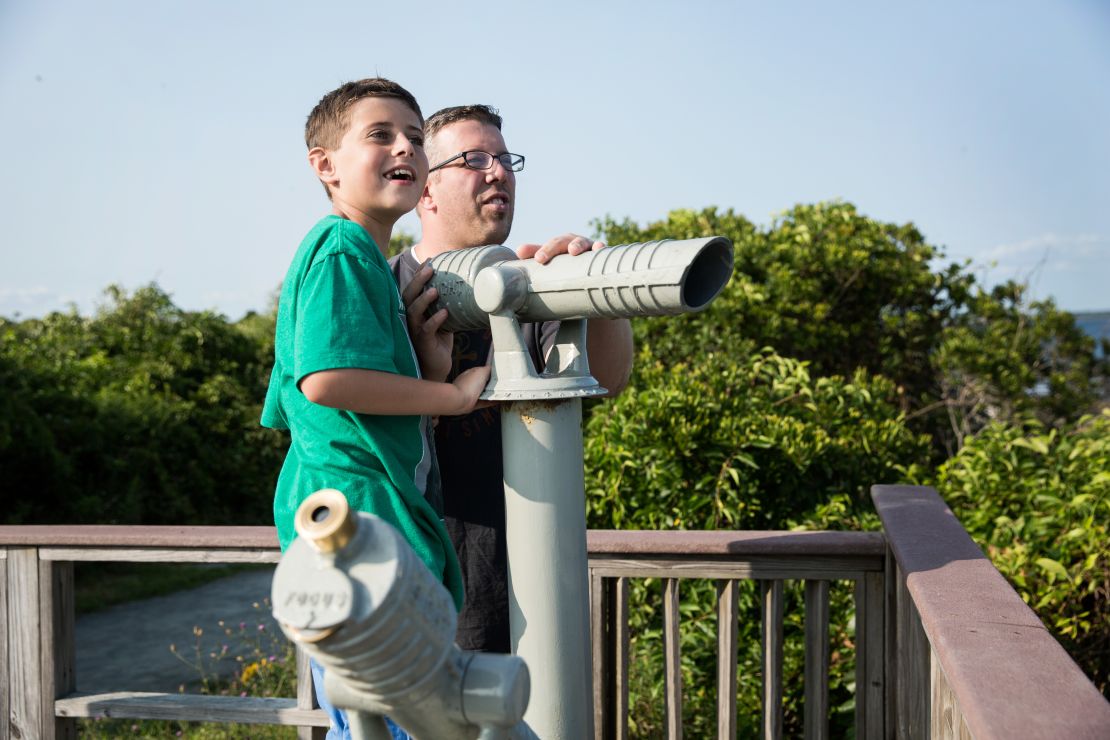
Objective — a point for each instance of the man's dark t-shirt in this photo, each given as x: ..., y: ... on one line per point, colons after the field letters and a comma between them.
x: 469, y: 451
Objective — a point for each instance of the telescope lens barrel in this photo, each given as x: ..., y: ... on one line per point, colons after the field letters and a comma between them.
x: 646, y: 279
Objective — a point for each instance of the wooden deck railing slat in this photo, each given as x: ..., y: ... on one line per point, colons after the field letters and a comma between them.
x: 601, y: 607
x: 817, y: 660
x: 622, y: 644
x: 870, y: 656
x: 749, y: 568
x: 184, y: 707
x: 4, y: 659
x: 728, y: 632
x: 772, y: 614
x: 127, y: 554
x: 672, y: 658
x: 26, y: 685
x: 59, y: 645
x: 306, y: 697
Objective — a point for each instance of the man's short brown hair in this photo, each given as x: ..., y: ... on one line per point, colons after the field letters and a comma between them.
x: 442, y: 118
x: 328, y: 121
x: 445, y: 117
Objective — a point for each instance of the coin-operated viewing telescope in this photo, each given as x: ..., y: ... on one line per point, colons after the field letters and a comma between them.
x: 489, y: 286
x: 355, y: 596
x: 541, y: 436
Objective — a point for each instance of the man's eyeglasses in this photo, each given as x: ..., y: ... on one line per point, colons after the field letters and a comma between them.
x: 478, y: 160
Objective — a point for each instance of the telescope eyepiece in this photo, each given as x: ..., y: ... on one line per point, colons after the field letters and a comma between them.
x: 325, y: 521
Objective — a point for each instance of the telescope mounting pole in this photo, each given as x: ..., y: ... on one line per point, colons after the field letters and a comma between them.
x: 541, y: 429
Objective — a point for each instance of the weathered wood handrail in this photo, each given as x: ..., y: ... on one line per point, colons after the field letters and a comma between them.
x: 969, y: 657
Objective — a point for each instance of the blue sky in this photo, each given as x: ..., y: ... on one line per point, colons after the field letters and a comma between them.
x: 163, y: 140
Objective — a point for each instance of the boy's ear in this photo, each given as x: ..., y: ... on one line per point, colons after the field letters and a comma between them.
x: 320, y: 160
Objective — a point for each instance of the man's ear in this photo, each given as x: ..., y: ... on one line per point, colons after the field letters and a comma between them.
x: 427, y: 202
x: 319, y: 160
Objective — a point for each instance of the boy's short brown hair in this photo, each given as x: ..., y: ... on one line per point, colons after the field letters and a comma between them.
x: 328, y: 121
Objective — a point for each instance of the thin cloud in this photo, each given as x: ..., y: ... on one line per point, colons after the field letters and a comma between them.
x: 1058, y: 245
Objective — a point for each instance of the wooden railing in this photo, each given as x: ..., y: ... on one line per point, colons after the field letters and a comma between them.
x: 967, y: 658
x: 772, y: 559
x: 944, y: 647
x: 37, y: 660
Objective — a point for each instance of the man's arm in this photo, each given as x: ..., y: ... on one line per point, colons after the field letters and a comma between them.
x: 388, y: 394
x: 609, y: 350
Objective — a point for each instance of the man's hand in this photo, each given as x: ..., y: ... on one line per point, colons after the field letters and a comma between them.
x: 572, y: 244
x: 433, y: 347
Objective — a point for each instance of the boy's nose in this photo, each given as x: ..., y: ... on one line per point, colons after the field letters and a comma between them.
x: 403, y: 145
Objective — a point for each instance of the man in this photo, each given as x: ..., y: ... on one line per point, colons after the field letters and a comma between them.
x: 468, y: 202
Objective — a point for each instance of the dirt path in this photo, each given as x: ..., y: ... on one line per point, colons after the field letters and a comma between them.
x: 127, y: 647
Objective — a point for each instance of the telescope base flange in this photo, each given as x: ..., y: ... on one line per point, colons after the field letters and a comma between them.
x: 541, y: 392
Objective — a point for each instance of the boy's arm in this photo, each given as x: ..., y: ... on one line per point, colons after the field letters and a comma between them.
x: 388, y: 394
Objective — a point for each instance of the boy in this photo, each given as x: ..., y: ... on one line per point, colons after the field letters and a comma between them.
x: 345, y: 381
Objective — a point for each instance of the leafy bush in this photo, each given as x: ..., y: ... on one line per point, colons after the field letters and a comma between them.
x: 731, y: 442
x: 1038, y: 501
x: 740, y: 442
x: 841, y: 291
x: 144, y: 413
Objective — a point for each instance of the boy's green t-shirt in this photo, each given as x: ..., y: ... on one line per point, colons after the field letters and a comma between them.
x: 340, y: 308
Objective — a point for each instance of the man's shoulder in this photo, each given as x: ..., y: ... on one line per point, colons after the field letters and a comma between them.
x: 403, y: 266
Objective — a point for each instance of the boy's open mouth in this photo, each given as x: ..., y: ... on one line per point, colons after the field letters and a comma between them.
x: 400, y: 174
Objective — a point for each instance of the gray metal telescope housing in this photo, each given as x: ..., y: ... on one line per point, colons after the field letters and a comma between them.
x: 489, y: 286
x: 353, y: 594
x: 541, y: 435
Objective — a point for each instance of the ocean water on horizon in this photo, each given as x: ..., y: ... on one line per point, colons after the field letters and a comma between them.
x: 1095, y: 324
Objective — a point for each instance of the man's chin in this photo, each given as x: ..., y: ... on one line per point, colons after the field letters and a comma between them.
x: 499, y: 232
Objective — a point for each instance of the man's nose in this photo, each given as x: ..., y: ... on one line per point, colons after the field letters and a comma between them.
x: 498, y: 172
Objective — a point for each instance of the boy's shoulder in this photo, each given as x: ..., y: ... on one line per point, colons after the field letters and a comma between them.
x: 336, y: 235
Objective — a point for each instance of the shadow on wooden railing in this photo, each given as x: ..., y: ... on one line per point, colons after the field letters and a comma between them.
x: 945, y: 648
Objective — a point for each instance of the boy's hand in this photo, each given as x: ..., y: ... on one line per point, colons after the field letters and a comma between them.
x: 433, y: 347
x: 471, y: 383
x: 566, y: 244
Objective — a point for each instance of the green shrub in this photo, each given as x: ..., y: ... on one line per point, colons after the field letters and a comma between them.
x: 742, y: 442
x: 1038, y: 501
x: 144, y: 413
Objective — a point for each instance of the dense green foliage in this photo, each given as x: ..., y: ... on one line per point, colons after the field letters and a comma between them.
x: 143, y: 413
x: 1038, y: 500
x: 844, y: 352
x: 744, y: 416
x: 740, y: 441
x: 830, y: 286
